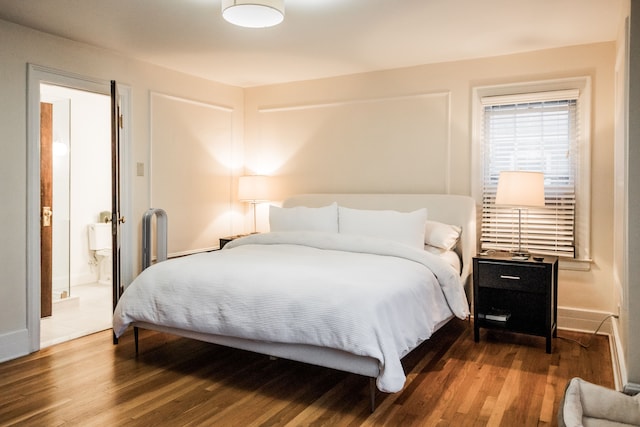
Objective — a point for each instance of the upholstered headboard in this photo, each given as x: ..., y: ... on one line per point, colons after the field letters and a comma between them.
x: 449, y: 209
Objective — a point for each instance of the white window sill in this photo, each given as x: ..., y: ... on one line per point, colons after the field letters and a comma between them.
x: 575, y: 264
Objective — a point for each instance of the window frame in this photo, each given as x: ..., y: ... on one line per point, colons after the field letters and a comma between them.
x: 582, y: 258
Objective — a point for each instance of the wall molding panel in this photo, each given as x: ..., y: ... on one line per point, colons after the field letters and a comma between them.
x: 191, y: 152
x: 405, y: 139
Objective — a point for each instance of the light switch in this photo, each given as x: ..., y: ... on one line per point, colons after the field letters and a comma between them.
x: 140, y: 169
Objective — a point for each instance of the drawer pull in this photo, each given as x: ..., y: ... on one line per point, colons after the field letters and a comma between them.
x: 503, y: 276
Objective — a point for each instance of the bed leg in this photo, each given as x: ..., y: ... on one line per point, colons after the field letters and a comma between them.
x: 135, y: 337
x: 372, y: 393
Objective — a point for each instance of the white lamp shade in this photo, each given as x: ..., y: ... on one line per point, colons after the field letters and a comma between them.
x: 253, y: 188
x: 253, y: 13
x: 520, y: 188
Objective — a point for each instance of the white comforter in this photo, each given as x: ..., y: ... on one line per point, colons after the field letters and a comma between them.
x: 365, y: 296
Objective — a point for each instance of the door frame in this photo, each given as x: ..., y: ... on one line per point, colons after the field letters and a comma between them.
x: 37, y: 74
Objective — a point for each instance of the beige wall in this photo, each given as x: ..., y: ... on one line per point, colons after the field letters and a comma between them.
x: 409, y: 130
x: 191, y: 166
x: 314, y: 136
x: 21, y: 46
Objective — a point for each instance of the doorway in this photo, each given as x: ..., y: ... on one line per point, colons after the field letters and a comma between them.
x: 76, y: 270
x: 37, y: 75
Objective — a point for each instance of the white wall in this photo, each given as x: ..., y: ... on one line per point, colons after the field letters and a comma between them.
x: 90, y: 177
x: 85, y: 185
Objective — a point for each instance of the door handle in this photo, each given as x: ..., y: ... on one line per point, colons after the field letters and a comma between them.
x: 47, y: 213
x: 121, y: 220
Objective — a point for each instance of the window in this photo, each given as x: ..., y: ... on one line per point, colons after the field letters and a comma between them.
x: 538, y: 127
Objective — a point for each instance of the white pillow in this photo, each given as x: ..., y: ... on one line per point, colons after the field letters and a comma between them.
x: 450, y: 257
x: 441, y: 235
x: 403, y: 227
x: 301, y: 218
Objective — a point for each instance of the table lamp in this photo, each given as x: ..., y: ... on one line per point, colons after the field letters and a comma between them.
x: 520, y: 189
x: 253, y: 189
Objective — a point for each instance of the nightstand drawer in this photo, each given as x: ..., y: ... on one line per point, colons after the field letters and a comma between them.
x: 525, y: 278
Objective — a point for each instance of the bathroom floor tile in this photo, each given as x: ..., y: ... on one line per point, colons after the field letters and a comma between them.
x: 86, y: 311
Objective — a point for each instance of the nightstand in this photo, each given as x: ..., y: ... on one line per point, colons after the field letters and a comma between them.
x: 225, y: 240
x: 515, y: 295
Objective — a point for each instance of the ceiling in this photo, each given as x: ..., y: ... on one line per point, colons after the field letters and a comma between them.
x: 319, y: 38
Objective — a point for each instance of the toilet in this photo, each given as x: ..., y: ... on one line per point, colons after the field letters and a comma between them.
x: 100, y: 243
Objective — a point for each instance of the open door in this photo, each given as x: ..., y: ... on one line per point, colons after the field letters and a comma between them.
x: 46, y: 203
x: 116, y: 219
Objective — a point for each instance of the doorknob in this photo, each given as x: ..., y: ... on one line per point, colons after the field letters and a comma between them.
x: 121, y: 220
x: 46, y: 216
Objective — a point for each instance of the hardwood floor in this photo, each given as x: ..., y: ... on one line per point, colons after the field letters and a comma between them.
x: 504, y: 380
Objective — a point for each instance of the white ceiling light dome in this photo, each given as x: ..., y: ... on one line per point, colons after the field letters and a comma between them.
x: 253, y: 13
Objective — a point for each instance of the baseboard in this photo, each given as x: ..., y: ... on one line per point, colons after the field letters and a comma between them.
x: 622, y: 385
x: 575, y: 319
x: 14, y: 344
x: 580, y: 320
x: 617, y: 357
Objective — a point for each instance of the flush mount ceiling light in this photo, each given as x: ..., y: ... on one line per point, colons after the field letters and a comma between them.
x: 253, y: 13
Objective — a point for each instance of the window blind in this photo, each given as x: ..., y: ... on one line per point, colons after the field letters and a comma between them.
x: 532, y: 132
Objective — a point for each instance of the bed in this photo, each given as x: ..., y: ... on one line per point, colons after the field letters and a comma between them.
x: 340, y: 281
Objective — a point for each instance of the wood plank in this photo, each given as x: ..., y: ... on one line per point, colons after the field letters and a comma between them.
x: 504, y: 380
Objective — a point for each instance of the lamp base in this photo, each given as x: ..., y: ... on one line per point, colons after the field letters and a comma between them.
x: 520, y: 255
